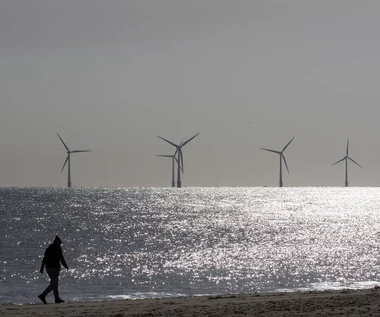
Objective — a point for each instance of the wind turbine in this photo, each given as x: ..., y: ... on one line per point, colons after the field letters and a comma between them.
x: 346, y: 158
x: 179, y: 156
x: 282, y: 157
x: 173, y: 158
x: 68, y: 160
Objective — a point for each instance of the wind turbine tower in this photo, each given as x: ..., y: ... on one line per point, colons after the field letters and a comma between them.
x: 173, y: 158
x: 68, y: 160
x: 282, y: 157
x: 346, y: 158
x: 179, y: 156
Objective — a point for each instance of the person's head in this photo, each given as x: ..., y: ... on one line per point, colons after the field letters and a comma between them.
x: 57, y: 240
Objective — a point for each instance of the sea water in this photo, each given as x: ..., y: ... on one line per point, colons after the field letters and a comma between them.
x: 167, y: 242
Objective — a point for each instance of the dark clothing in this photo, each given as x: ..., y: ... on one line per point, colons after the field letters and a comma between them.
x: 52, y: 261
x: 54, y: 257
x: 53, y: 286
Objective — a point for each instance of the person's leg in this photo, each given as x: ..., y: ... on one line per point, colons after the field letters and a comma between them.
x: 49, y: 288
x: 54, y: 278
x: 52, y: 286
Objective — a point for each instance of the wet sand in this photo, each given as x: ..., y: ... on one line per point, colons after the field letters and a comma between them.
x: 320, y: 303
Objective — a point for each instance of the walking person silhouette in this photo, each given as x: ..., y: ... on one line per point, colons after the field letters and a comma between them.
x: 52, y: 261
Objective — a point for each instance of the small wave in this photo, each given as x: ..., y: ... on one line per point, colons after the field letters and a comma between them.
x: 140, y: 295
x: 332, y: 286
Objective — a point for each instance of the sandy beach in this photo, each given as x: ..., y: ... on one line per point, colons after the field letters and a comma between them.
x: 321, y: 303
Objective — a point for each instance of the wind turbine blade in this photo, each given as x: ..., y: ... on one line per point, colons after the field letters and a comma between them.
x: 347, y: 149
x: 165, y: 156
x: 178, y: 160
x: 184, y: 143
x: 271, y: 150
x: 339, y: 161
x: 181, y: 157
x: 78, y: 151
x: 67, y: 158
x: 63, y: 143
x: 354, y: 162
x: 287, y: 144
x: 285, y: 163
x: 179, y: 165
x: 168, y: 141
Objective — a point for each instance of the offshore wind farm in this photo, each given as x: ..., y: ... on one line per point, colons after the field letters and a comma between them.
x: 177, y: 158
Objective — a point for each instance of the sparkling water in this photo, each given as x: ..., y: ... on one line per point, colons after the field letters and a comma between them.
x: 165, y: 242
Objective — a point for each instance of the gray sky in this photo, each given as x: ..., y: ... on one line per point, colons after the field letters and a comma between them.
x: 112, y: 75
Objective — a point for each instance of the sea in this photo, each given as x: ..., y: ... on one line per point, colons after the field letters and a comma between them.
x: 130, y: 243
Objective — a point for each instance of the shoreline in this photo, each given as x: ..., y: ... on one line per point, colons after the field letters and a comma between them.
x: 346, y: 302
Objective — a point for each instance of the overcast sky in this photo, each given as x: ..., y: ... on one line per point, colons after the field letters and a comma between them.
x: 110, y: 76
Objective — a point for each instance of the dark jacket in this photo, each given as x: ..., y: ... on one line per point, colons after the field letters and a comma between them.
x: 53, y: 257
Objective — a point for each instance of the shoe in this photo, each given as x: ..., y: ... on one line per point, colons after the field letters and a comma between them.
x: 58, y: 301
x: 42, y: 298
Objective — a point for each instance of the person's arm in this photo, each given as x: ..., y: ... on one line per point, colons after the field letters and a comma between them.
x: 63, y: 261
x: 42, y: 265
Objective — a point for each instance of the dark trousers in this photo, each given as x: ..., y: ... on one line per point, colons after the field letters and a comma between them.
x: 53, y: 286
